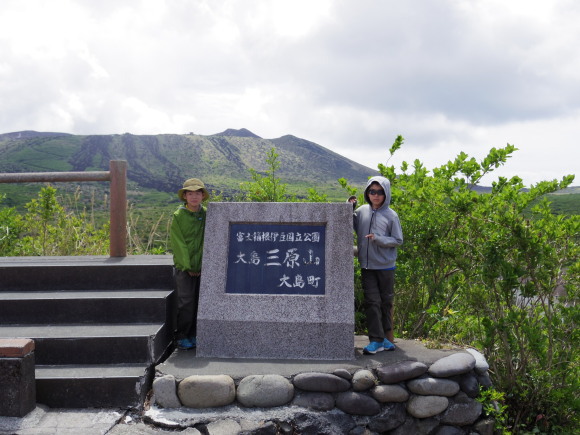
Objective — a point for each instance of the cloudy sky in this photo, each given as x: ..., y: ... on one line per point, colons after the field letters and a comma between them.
x: 350, y: 75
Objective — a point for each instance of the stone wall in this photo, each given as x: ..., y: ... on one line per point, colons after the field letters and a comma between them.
x: 407, y: 397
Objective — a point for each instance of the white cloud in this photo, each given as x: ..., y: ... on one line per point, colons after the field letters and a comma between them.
x: 450, y: 76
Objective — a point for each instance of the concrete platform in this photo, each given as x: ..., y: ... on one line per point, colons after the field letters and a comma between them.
x: 184, y: 363
x: 48, y: 421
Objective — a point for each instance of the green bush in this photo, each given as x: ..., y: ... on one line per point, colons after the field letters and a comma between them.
x: 10, y: 230
x: 475, y: 270
x: 48, y: 229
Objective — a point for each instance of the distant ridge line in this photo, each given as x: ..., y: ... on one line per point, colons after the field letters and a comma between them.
x: 242, y: 132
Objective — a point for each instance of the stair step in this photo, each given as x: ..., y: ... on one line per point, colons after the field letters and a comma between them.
x: 86, y: 272
x: 100, y: 324
x: 85, y: 294
x: 92, y: 386
x: 94, y: 344
x: 69, y: 306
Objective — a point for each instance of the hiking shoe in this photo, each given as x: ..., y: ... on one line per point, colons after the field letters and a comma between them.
x: 373, y: 347
x: 184, y: 344
x: 387, y: 345
x: 193, y: 341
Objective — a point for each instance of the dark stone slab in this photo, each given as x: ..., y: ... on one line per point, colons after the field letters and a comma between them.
x: 391, y: 417
x: 449, y: 430
x: 469, y: 385
x: 17, y: 385
x: 462, y: 411
x: 321, y: 424
x: 452, y: 365
x: 401, y: 371
x: 86, y: 272
x: 94, y: 392
x: 314, y: 401
x: 428, y: 386
x: 66, y: 307
x: 323, y: 382
x: 343, y: 373
x: 355, y: 403
x: 94, y: 343
x: 484, y: 380
x: 415, y: 426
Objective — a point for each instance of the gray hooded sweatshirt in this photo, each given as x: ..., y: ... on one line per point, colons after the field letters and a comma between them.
x: 380, y: 253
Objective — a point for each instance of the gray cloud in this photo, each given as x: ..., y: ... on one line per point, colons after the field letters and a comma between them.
x: 448, y: 75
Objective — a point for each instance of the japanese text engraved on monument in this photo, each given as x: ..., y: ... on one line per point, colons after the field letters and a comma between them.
x: 276, y: 259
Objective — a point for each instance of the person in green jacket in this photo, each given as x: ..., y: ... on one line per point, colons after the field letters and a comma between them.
x: 186, y: 237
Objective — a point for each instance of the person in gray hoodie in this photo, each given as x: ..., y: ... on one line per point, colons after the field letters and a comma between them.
x: 379, y: 233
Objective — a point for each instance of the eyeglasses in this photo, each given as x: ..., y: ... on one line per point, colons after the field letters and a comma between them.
x: 377, y: 192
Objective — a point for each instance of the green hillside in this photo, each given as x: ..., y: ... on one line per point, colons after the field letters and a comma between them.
x: 158, y: 164
x: 566, y: 203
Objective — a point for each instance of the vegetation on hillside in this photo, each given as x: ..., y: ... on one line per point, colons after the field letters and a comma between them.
x: 160, y: 163
x: 564, y: 203
x: 49, y: 229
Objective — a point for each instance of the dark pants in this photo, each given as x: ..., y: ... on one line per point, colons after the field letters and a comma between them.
x: 187, y: 301
x: 378, y: 286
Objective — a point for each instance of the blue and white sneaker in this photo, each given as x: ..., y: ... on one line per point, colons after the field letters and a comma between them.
x: 373, y: 347
x: 387, y: 345
x: 193, y: 341
x: 184, y: 344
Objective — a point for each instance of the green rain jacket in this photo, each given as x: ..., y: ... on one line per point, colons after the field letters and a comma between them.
x: 186, y: 237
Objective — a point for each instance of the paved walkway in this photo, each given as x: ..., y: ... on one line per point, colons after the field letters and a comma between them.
x: 182, y: 363
x: 47, y: 421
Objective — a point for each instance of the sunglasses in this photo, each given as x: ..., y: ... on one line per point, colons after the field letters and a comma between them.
x: 376, y: 192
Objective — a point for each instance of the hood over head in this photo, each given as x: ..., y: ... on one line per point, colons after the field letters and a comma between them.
x: 385, y: 184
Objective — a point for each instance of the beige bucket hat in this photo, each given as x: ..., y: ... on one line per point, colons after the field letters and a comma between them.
x: 193, y: 184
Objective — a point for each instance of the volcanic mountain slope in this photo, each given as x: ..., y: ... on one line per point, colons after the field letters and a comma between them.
x: 163, y: 161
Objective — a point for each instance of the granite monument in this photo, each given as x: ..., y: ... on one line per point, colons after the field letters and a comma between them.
x: 277, y: 282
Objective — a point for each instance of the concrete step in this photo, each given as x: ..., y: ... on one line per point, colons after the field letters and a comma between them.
x: 94, y: 343
x: 87, y: 306
x: 100, y: 324
x: 92, y: 386
x: 85, y: 273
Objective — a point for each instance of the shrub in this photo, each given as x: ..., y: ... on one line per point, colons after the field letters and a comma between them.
x: 475, y: 269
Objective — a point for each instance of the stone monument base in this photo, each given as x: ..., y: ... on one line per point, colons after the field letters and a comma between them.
x: 277, y: 340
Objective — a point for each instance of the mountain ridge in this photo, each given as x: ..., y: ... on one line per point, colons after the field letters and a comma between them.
x: 161, y: 162
x: 242, y: 132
